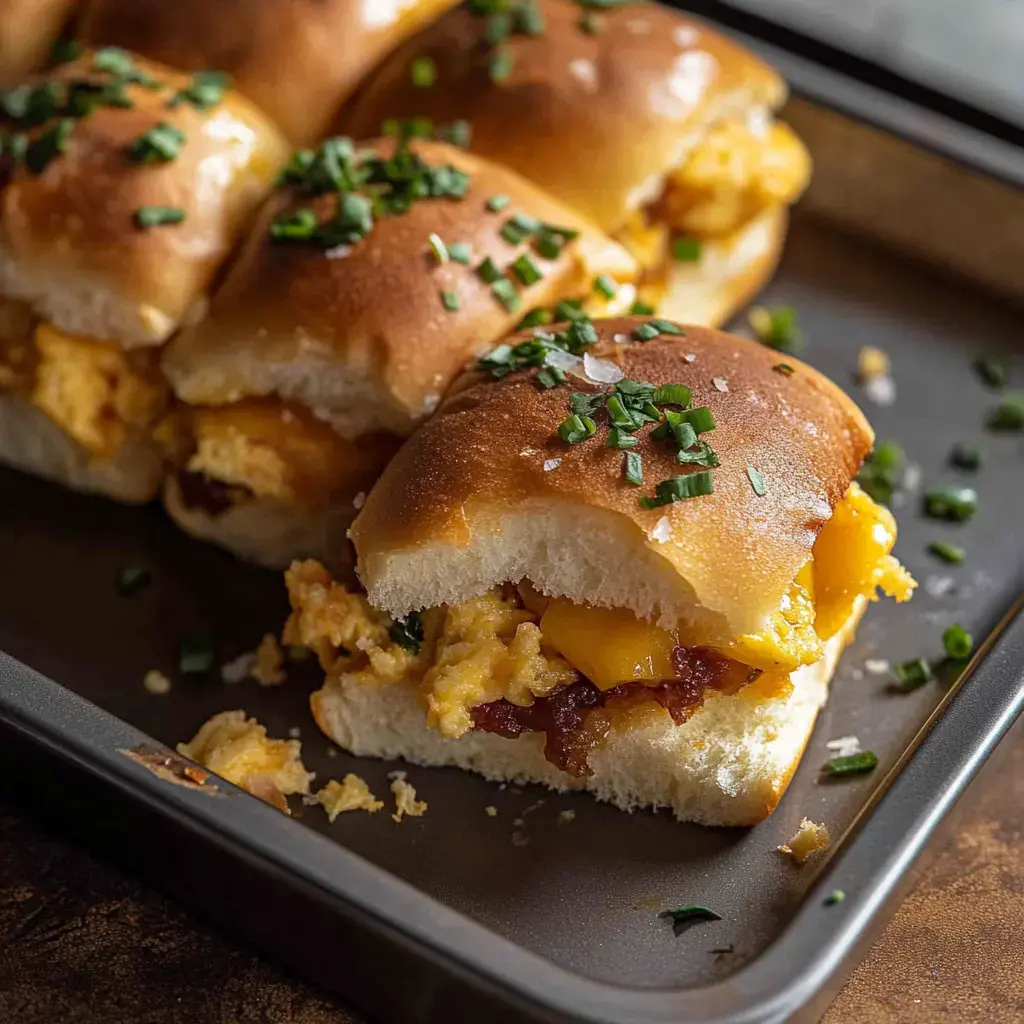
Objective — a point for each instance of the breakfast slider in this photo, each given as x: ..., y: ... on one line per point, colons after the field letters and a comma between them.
x: 31, y: 28
x: 653, y: 125
x: 367, y: 283
x: 123, y: 186
x: 297, y: 59
x: 631, y: 573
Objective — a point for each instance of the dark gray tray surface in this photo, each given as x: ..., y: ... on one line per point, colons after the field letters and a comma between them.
x: 583, y: 893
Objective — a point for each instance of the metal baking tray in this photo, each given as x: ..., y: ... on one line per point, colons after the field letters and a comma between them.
x: 524, y: 917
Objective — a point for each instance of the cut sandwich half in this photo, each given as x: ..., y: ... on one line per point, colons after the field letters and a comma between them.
x: 631, y: 573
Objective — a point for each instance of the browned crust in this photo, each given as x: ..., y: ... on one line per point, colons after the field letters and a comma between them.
x: 30, y: 28
x: 465, y: 469
x: 591, y: 117
x: 76, y: 218
x: 377, y: 311
x: 298, y: 59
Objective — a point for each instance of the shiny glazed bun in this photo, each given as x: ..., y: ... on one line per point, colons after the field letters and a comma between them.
x: 488, y: 492
x: 30, y: 29
x: 298, y: 59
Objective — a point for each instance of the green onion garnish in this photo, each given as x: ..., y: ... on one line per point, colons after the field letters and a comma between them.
x: 550, y: 246
x: 299, y: 225
x: 156, y: 216
x: 408, y: 632
x: 644, y: 332
x: 633, y: 469
x: 701, y: 419
x: 686, y: 250
x: 498, y: 28
x: 756, y: 481
x: 947, y: 552
x: 834, y: 897
x: 606, y: 286
x: 423, y: 72
x: 204, y: 92
x: 641, y: 309
x: 784, y: 368
x: 460, y: 252
x: 497, y: 203
x: 65, y: 50
x: 112, y: 59
x: 505, y: 292
x: 953, y: 503
x: 776, y: 327
x: 195, y: 655
x: 511, y: 234
x: 672, y: 394
x: 439, y: 249
x: 161, y: 144
x: 450, y: 301
x: 501, y: 65
x: 912, y: 674
x: 48, y: 146
x: 966, y: 456
x: 991, y: 370
x: 620, y: 437
x: 526, y: 270
x: 488, y: 271
x: 535, y: 318
x: 880, y: 474
x: 668, y: 327
x: 568, y: 309
x: 679, y: 488
x: 852, y: 764
x: 1009, y: 415
x: 131, y: 579
x: 574, y: 429
x: 957, y: 642
x: 550, y: 376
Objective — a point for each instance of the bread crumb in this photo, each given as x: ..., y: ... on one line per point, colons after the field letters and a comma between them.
x: 351, y: 794
x: 238, y: 749
x: 332, y: 751
x: 871, y: 363
x: 491, y: 811
x: 405, y: 798
x: 843, y: 746
x: 809, y: 839
x: 359, y: 500
x: 877, y: 666
x: 564, y: 817
x: 156, y: 682
x: 294, y: 732
x: 269, y: 667
x: 239, y: 668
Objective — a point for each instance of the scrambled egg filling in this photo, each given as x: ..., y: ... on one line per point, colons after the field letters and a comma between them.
x: 94, y: 390
x: 351, y: 794
x: 238, y: 749
x: 737, y: 172
x: 515, y: 644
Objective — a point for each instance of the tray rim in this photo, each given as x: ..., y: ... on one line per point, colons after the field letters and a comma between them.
x: 873, y: 855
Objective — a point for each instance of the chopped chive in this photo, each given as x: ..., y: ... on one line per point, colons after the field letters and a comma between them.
x: 48, y: 146
x: 991, y: 370
x: 530, y: 21
x: 439, y: 249
x: 526, y: 270
x: 953, y: 503
x: 458, y: 133
x: 299, y: 225
x: 784, y: 368
x: 756, y: 481
x: 606, y: 286
x: 195, y: 655
x: 834, y: 897
x: 535, y: 318
x: 498, y: 28
x: 156, y: 216
x: 488, y: 271
x: 644, y: 332
x: 460, y: 252
x: 912, y: 674
x: 947, y: 552
x: 423, y: 72
x: 497, y: 203
x: 65, y: 50
x: 633, y: 468
x: 574, y: 429
x: 672, y: 394
x: 450, y: 301
x: 550, y: 376
x: 501, y: 65
x: 958, y: 642
x: 686, y: 250
x: 668, y: 327
x: 966, y: 456
x: 679, y: 488
x: 550, y: 246
x: 684, y: 434
x: 701, y: 419
x: 852, y: 764
x: 205, y: 91
x: 568, y: 309
x: 408, y: 632
x: 505, y: 292
x: 131, y: 579
x: 525, y: 223
x: 1009, y: 415
x: 776, y: 327
x: 112, y: 59
x: 161, y: 144
x: 641, y: 309
x: 511, y: 234
x: 702, y: 455
x: 620, y: 437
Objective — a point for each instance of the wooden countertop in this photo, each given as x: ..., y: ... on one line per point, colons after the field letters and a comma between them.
x: 80, y: 942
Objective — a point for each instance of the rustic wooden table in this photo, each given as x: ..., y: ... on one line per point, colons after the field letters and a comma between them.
x: 80, y: 942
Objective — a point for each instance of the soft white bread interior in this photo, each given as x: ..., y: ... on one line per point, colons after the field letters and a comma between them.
x: 487, y: 492
x: 728, y: 765
x: 31, y: 441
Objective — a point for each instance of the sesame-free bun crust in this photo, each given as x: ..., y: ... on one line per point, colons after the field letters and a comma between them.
x: 297, y: 59
x: 728, y: 765
x: 597, y: 119
x: 68, y: 241
x: 361, y: 336
x: 467, y: 503
x: 30, y: 28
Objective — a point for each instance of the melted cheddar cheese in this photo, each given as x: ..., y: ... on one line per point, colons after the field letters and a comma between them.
x: 517, y: 645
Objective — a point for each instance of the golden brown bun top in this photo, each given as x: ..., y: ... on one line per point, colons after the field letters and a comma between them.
x: 298, y: 59
x: 459, y: 483
x: 591, y: 117
x: 28, y: 30
x: 72, y: 227
x: 364, y: 326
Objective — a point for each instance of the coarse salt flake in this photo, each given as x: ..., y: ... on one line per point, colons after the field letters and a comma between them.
x: 662, y: 531
x: 720, y: 383
x: 601, y: 371
x: 550, y: 464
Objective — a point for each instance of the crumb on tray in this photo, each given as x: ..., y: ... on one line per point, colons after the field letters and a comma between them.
x: 491, y: 811
x: 269, y: 667
x: 351, y: 794
x: 156, y: 682
x: 405, y: 798
x: 809, y: 839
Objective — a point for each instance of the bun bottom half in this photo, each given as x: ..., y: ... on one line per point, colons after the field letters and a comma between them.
x: 268, y: 532
x: 729, y: 765
x: 34, y: 443
x: 728, y: 275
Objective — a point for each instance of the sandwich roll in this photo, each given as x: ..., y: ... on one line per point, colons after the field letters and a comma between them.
x: 30, y: 30
x: 634, y: 579
x: 124, y: 186
x: 358, y: 296
x: 297, y: 59
x: 653, y: 125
